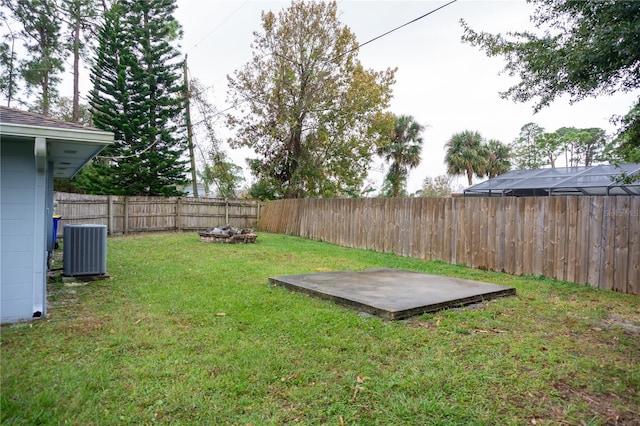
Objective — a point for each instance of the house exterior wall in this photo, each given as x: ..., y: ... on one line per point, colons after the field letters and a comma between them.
x: 23, y: 226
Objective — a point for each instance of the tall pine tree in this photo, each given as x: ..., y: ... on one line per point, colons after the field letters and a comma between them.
x: 43, y: 42
x: 81, y: 17
x: 8, y: 61
x: 136, y: 95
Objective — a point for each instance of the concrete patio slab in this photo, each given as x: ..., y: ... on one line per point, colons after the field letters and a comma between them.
x: 393, y: 293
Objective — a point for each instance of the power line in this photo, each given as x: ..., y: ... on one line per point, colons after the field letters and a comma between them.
x: 396, y: 28
x: 123, y: 157
x: 219, y: 25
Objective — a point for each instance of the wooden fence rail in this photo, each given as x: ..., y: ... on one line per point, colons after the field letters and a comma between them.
x: 123, y: 215
x: 583, y: 240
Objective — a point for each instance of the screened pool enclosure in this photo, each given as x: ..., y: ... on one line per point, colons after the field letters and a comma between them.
x: 583, y: 180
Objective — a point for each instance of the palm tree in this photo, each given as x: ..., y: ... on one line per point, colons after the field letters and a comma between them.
x: 499, y: 158
x: 466, y: 155
x: 403, y: 151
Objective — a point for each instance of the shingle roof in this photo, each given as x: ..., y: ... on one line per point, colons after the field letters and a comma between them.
x: 25, y: 118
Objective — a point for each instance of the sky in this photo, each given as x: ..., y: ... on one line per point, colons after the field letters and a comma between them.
x: 446, y: 85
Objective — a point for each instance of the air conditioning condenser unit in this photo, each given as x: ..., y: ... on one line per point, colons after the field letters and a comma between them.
x: 84, y: 249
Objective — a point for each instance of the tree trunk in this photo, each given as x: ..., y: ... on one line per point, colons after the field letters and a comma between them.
x: 44, y: 85
x: 45, y: 96
x: 75, y: 109
x: 10, y: 82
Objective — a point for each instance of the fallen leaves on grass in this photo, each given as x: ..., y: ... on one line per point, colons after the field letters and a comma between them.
x: 428, y: 324
x: 491, y: 330
x: 289, y: 377
x: 358, y: 388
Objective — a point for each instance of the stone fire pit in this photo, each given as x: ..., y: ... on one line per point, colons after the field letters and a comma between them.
x: 228, y: 235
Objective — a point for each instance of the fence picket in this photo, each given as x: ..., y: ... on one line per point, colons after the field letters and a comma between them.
x: 596, y: 249
x: 582, y: 254
x: 633, y: 274
x: 561, y: 239
x: 572, y: 223
x: 621, y: 241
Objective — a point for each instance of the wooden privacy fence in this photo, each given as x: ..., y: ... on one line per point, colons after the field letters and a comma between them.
x: 144, y: 214
x: 594, y: 240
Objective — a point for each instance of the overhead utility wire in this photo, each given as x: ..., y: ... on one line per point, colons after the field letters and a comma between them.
x: 395, y: 29
x: 218, y: 26
x: 360, y: 45
x: 341, y: 55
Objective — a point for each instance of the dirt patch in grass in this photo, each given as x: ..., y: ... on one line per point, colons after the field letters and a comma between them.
x: 627, y: 326
x: 59, y: 295
x: 605, y: 406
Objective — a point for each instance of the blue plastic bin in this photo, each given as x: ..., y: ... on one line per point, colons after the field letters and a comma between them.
x: 56, y: 219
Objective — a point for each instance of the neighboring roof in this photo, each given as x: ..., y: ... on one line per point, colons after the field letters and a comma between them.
x: 583, y: 180
x: 69, y: 145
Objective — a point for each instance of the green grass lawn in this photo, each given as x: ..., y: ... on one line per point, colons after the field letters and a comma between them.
x: 186, y: 332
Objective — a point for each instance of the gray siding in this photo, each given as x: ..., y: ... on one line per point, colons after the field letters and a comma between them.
x: 23, y: 225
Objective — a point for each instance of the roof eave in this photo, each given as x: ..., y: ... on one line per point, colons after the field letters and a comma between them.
x: 98, y: 137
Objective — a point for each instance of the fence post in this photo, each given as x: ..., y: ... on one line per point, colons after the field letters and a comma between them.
x: 178, y: 214
x: 126, y: 214
x: 226, y: 211
x: 258, y: 202
x: 110, y: 214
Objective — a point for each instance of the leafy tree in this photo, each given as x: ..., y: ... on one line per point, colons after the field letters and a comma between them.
x: 590, y: 146
x: 550, y: 146
x: 590, y: 48
x: 137, y: 95
x: 403, y: 151
x: 41, y: 32
x: 536, y: 148
x: 526, y: 152
x: 307, y: 107
x: 568, y: 137
x: 225, y: 176
x: 366, y: 190
x: 437, y: 187
x: 63, y: 109
x: 466, y: 155
x: 583, y: 146
x: 498, y: 158
x: 629, y: 135
x: 262, y: 191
